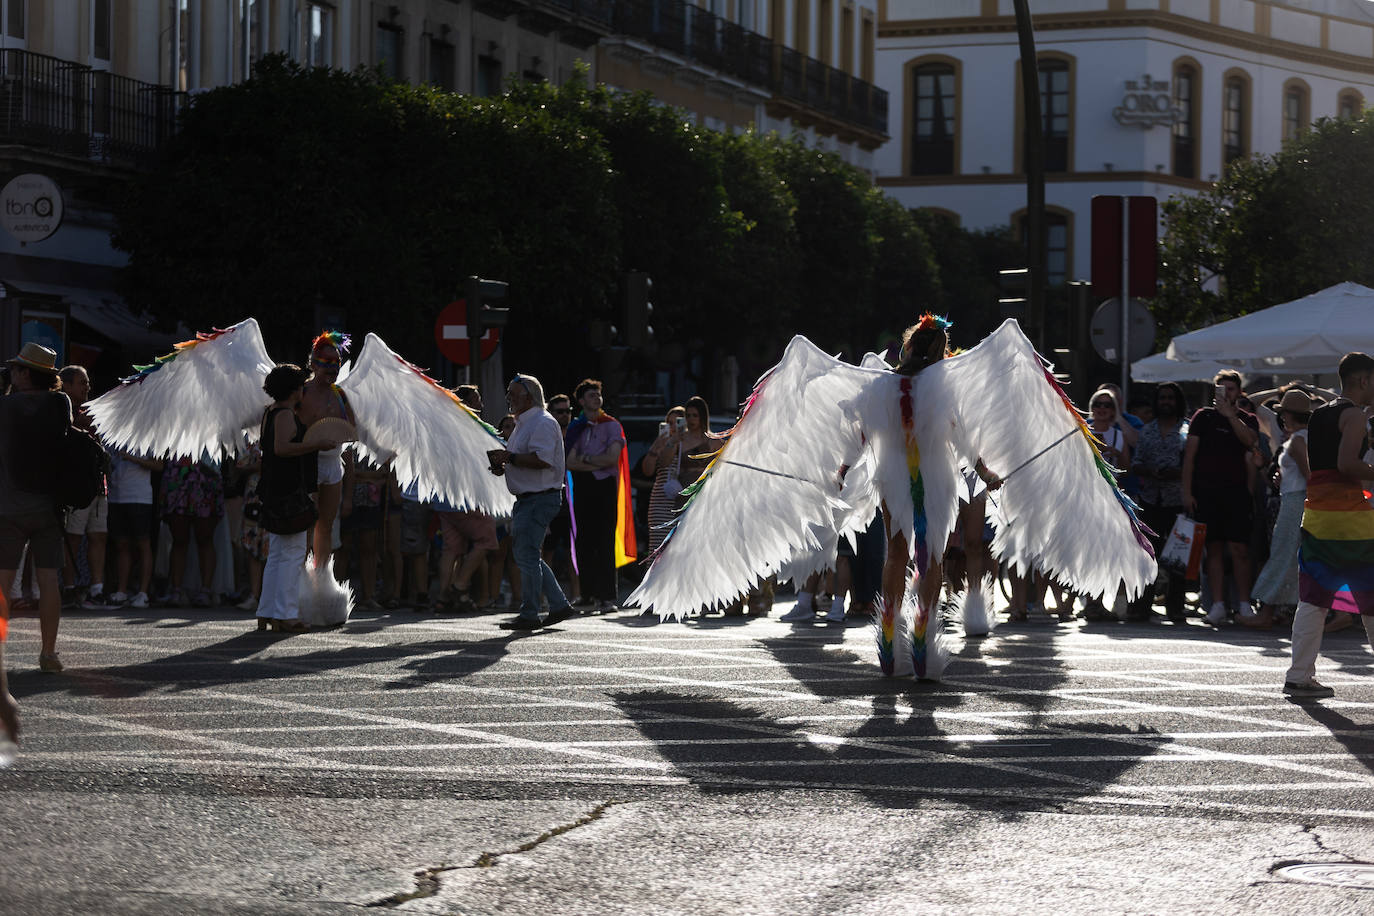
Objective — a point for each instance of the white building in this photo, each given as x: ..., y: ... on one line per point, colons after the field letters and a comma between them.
x: 1140, y: 97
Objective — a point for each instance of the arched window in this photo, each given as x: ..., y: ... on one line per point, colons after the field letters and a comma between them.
x: 1185, y: 97
x: 1296, y: 108
x: 1349, y: 104
x: 1235, y: 116
x: 934, y: 121
x: 1058, y: 238
x: 1055, y: 110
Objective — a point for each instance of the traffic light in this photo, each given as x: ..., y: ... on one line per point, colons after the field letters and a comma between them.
x: 1013, y: 288
x: 481, y: 316
x: 638, y: 309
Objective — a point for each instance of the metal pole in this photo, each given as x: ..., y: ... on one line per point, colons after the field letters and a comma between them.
x: 1034, y: 145
x: 176, y: 45
x: 1125, y: 296
x: 245, y: 39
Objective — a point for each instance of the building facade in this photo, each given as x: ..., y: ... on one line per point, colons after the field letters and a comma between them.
x: 90, y: 88
x: 1138, y: 97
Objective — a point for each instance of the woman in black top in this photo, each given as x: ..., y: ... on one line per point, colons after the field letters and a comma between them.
x: 288, y: 472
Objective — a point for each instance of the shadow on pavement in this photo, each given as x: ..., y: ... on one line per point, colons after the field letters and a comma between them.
x: 1356, y: 738
x: 897, y: 757
x: 237, y: 660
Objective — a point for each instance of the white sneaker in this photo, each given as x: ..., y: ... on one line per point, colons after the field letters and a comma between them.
x: 118, y: 599
x: 836, y: 612
x: 802, y: 611
x: 139, y: 601
x: 1217, y: 615
x: 248, y: 604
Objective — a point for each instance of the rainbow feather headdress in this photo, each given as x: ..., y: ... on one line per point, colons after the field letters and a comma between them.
x: 336, y: 339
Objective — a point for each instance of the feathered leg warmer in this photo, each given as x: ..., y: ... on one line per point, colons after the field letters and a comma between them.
x: 325, y: 602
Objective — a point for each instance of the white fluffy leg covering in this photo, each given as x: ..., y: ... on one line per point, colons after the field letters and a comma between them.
x: 977, y: 610
x: 324, y: 601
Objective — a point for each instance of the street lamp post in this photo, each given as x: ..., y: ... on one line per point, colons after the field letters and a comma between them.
x: 1034, y: 148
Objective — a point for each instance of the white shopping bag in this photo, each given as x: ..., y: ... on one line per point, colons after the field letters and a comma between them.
x: 1182, y: 553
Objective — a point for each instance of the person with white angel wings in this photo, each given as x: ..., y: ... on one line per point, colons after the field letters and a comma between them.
x: 208, y: 394
x: 772, y: 501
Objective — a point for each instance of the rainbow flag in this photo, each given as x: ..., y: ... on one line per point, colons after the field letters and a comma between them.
x: 626, y: 545
x: 1336, y: 556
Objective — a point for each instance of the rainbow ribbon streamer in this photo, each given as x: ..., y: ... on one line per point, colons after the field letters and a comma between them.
x: 142, y: 372
x: 919, y: 523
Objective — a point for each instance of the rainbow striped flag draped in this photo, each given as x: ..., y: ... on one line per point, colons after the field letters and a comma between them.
x: 1336, y: 556
x: 626, y: 545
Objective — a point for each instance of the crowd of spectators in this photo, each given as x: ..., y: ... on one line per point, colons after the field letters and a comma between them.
x: 396, y: 551
x: 1236, y: 466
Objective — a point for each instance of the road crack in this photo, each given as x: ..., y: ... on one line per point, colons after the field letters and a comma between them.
x: 428, y: 881
x: 1311, y: 831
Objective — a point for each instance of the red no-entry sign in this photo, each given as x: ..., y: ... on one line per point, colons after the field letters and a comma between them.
x: 451, y: 334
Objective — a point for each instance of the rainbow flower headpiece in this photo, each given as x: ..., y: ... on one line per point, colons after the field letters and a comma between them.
x: 336, y: 339
x: 928, y: 322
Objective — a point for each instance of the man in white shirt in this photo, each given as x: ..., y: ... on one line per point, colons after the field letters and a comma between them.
x: 533, y: 465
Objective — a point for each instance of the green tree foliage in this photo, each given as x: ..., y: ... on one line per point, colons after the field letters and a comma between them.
x: 301, y: 187
x: 1273, y: 229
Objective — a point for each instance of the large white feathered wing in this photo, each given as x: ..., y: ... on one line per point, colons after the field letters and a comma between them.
x: 772, y: 496
x: 200, y: 397
x: 435, y: 441
x: 1060, y: 512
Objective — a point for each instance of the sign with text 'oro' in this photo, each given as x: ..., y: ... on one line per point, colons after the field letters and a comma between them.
x: 31, y: 207
x: 1147, y: 103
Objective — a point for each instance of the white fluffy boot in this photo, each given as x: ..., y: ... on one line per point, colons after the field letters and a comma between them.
x: 978, y: 619
x: 325, y: 602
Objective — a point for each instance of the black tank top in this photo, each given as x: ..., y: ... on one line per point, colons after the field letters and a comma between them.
x: 1324, y: 435
x: 283, y: 474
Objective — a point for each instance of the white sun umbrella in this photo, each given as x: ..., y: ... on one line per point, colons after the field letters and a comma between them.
x: 1160, y: 368
x: 1307, y: 335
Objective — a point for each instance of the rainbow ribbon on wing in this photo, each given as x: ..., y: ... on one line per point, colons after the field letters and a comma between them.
x: 1103, y: 468
x: 689, y: 493
x: 491, y: 430
x: 142, y: 372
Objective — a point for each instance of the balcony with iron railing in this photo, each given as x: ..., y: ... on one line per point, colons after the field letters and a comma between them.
x: 703, y: 37
x: 77, y: 111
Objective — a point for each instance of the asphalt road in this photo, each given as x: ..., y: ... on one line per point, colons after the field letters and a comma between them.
x: 188, y: 764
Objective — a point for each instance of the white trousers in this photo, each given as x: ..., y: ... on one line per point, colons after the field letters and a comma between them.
x: 1307, y: 640
x: 281, y: 576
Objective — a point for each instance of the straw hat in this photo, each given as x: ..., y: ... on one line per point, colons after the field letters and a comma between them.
x: 36, y: 356
x: 1296, y: 400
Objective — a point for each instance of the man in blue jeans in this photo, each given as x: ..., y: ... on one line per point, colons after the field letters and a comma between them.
x: 533, y: 465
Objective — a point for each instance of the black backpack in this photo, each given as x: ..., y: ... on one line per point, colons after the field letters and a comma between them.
x: 81, y: 468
